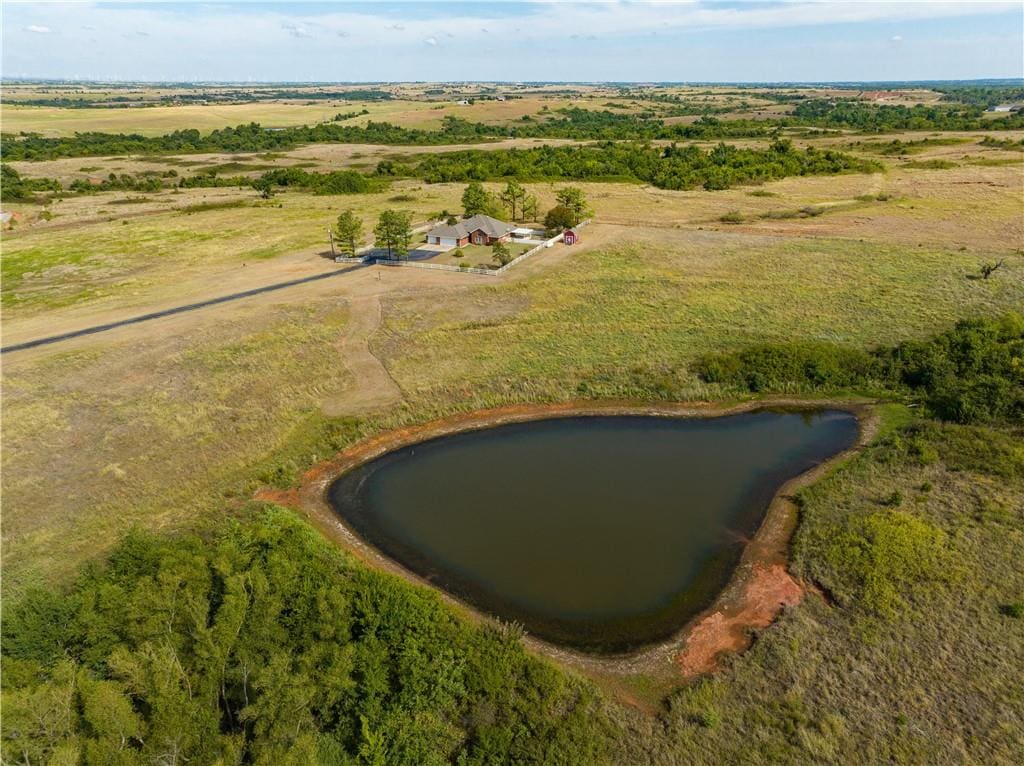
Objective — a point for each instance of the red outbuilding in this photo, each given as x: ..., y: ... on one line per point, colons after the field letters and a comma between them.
x: 571, y: 237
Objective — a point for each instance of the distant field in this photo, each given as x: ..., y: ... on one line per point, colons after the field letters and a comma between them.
x: 100, y: 249
x: 158, y: 120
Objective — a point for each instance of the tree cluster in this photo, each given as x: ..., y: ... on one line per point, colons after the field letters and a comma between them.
x: 973, y: 373
x: 18, y: 188
x: 267, y: 646
x: 670, y: 167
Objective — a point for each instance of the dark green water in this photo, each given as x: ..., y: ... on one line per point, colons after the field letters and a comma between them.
x: 602, y: 533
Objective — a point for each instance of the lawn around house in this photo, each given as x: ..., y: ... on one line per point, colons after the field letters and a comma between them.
x: 478, y: 256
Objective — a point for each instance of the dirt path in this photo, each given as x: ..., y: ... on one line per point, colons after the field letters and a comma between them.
x: 372, y: 385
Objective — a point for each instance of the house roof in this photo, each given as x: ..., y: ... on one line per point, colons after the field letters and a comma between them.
x: 492, y: 227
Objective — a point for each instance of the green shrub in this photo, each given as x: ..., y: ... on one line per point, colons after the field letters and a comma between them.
x: 733, y: 216
x: 895, y: 499
x: 789, y: 366
x: 879, y: 558
x: 973, y: 373
x: 1014, y: 610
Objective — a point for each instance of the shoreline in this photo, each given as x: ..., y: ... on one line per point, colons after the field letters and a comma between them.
x: 758, y: 589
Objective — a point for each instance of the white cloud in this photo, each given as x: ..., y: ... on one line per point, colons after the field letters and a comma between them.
x: 897, y: 38
x: 221, y: 41
x: 296, y: 30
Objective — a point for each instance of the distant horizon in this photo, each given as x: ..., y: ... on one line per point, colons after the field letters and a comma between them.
x: 652, y: 83
x: 704, y: 41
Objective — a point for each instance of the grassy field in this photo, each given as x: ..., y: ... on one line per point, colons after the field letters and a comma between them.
x: 174, y: 424
x: 158, y: 120
x: 637, y: 307
x: 80, y: 257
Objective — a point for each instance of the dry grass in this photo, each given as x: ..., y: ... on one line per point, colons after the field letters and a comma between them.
x: 54, y: 121
x: 640, y: 305
x: 155, y: 431
x: 81, y: 257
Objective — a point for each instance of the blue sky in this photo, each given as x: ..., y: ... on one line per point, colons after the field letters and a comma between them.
x: 597, y: 41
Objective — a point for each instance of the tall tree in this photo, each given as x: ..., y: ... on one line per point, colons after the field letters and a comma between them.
x: 393, y: 231
x: 558, y: 219
x: 573, y: 198
x: 349, y: 233
x: 531, y: 207
x: 513, y: 196
x: 476, y: 199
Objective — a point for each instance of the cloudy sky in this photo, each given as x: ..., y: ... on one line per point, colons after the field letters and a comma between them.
x: 607, y: 41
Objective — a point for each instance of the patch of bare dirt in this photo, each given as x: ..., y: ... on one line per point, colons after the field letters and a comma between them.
x: 768, y: 591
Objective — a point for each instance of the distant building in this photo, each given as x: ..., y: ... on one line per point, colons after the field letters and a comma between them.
x: 478, y: 230
x: 1004, y: 108
x: 570, y: 237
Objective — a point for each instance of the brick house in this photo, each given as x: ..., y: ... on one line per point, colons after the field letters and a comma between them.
x: 478, y: 230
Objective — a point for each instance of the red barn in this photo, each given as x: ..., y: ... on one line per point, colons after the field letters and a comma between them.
x: 571, y: 237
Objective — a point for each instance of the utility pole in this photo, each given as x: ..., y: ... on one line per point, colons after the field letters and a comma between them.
x: 330, y: 236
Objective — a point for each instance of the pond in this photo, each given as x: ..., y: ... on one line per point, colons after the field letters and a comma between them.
x: 603, y: 533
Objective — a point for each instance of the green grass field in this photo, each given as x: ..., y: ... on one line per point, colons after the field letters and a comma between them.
x: 624, y: 315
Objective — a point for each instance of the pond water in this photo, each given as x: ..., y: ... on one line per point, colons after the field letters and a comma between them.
x: 603, y: 533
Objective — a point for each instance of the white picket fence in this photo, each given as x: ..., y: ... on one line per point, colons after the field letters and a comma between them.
x: 435, y: 266
x: 466, y: 269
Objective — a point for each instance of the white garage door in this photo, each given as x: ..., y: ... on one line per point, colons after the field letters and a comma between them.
x: 448, y: 241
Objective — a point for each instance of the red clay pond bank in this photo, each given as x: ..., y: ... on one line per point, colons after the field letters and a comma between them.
x: 396, y: 493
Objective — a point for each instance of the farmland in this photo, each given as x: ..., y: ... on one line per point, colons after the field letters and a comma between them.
x: 186, y: 425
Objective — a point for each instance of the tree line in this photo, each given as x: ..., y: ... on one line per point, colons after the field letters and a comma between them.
x: 20, y: 187
x: 871, y: 118
x: 671, y: 167
x: 970, y: 374
x: 265, y: 644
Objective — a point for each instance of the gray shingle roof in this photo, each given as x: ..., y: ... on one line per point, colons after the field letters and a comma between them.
x: 492, y: 227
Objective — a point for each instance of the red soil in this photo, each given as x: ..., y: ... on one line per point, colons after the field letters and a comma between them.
x: 769, y: 589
